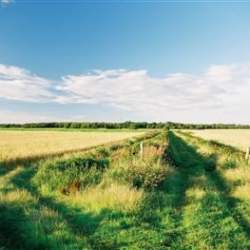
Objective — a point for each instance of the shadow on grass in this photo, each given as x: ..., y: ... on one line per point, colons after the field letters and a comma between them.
x: 169, y: 199
x: 12, y: 235
x: 231, y: 202
x: 3, y: 170
x: 102, y: 229
x: 158, y: 222
x: 223, y: 187
x: 81, y: 223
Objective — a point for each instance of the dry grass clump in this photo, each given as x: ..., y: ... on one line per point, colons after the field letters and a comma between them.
x: 113, y: 196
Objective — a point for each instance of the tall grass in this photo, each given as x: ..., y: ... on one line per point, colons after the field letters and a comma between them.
x: 21, y: 146
x: 115, y: 196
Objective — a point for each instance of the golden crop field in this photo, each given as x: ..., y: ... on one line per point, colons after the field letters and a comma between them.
x: 16, y: 144
x: 239, y: 138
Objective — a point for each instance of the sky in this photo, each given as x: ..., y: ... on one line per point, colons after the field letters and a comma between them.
x: 182, y: 61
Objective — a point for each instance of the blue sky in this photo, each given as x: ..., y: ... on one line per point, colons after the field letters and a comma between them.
x: 114, y: 61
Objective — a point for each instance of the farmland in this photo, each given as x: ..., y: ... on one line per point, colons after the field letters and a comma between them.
x: 239, y: 138
x: 27, y: 144
x: 161, y: 190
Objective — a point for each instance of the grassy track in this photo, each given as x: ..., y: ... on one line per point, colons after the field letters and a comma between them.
x: 212, y: 217
x: 198, y: 203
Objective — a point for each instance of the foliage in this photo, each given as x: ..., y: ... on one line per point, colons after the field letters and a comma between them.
x: 125, y: 125
x: 74, y: 173
x: 148, y: 175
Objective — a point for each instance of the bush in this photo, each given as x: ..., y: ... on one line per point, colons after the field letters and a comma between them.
x: 115, y: 147
x: 139, y: 174
x: 72, y: 174
x: 147, y: 175
x: 102, y: 152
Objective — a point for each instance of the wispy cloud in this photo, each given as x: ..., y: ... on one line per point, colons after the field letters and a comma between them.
x: 6, y: 2
x: 20, y: 84
x: 219, y: 86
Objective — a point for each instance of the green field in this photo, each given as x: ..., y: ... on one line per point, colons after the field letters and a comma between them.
x: 159, y: 190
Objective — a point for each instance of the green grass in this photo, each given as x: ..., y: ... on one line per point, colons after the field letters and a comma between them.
x: 219, y: 221
x: 40, y: 218
x: 181, y: 194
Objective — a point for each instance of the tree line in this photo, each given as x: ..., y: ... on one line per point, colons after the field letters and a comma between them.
x: 125, y: 125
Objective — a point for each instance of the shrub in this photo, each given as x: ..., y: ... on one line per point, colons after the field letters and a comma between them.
x: 102, y: 152
x: 71, y: 174
x: 115, y: 147
x: 210, y: 163
x: 140, y: 173
x: 146, y: 174
x: 230, y: 164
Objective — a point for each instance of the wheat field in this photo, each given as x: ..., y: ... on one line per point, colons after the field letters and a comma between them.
x: 239, y: 138
x: 28, y: 144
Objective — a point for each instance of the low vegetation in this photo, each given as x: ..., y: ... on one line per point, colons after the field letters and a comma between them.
x: 162, y: 190
x: 77, y: 201
x: 220, y: 219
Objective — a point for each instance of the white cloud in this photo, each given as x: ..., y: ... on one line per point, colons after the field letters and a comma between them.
x: 6, y: 2
x: 19, y: 84
x: 138, y: 91
x: 220, y: 87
